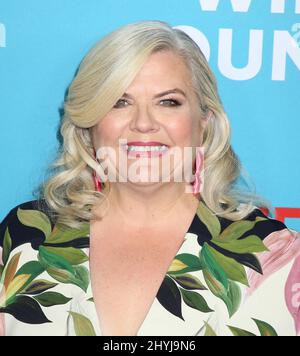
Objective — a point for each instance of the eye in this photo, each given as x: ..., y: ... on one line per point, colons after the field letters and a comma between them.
x: 120, y: 103
x: 171, y: 102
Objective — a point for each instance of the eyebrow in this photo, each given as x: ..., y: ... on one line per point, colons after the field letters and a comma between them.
x: 171, y: 91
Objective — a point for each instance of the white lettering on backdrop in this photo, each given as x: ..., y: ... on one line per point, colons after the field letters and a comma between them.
x: 277, y: 6
x: 286, y: 44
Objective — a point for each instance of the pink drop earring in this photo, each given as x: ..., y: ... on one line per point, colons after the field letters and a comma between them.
x: 197, y: 182
x: 97, y: 181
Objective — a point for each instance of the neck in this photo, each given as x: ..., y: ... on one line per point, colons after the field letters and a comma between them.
x: 148, y: 205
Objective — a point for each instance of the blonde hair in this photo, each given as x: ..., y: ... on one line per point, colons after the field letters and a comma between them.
x: 102, y: 77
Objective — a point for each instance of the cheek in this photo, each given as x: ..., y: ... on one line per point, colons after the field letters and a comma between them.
x: 181, y: 131
x: 106, y: 132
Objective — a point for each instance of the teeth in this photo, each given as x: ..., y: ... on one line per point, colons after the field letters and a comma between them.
x: 146, y: 148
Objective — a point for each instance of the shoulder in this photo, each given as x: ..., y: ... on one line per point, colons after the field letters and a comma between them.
x: 253, y: 239
x: 18, y: 224
x: 272, y: 231
x: 277, y: 238
x: 32, y: 224
x: 263, y: 225
x: 209, y: 226
x: 41, y: 265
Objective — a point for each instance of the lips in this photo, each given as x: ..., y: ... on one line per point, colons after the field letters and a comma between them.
x: 133, y: 150
x: 149, y: 143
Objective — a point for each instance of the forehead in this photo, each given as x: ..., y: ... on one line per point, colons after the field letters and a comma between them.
x: 161, y: 67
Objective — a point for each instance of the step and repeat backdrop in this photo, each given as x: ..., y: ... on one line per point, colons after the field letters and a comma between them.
x: 253, y: 47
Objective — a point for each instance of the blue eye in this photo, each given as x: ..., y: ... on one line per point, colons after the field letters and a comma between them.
x: 172, y: 102
x: 117, y: 103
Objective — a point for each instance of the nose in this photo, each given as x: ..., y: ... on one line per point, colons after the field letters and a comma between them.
x: 144, y: 121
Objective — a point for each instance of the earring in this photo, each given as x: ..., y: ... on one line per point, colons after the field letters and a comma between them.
x: 97, y: 181
x: 197, y: 182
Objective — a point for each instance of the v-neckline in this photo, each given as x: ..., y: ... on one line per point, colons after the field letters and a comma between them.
x: 96, y: 320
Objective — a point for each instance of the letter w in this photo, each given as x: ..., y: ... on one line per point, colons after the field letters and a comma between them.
x: 237, y: 5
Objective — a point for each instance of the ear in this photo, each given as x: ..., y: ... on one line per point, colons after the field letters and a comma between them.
x: 206, y: 119
x: 208, y: 115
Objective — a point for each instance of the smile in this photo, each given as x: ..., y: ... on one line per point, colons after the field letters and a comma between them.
x: 146, y: 148
x: 145, y: 151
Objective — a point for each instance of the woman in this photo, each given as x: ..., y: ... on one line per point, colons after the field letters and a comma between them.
x: 158, y: 258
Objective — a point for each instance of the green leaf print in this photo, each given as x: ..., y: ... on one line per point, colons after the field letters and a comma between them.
x: 16, y: 282
x: 61, y: 234
x: 250, y: 244
x: 239, y: 332
x: 264, y: 328
x: 10, y: 270
x: 234, y: 297
x: 39, y: 286
x: 214, y: 285
x: 209, y: 219
x: 80, y: 277
x: 184, y: 263
x: 62, y: 271
x: 218, y: 282
x: 7, y: 243
x: 237, y: 229
x: 169, y: 297
x: 14, y: 287
x: 82, y: 325
x: 209, y: 331
x: 32, y: 268
x: 49, y: 299
x: 1, y: 272
x: 233, y: 270
x: 50, y: 259
x: 36, y: 219
x: 26, y: 310
x: 195, y: 300
x: 210, y: 264
x: 231, y: 297
x: 73, y: 255
x: 247, y: 259
x: 189, y: 282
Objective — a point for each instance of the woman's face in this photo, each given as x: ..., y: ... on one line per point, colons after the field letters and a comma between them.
x: 144, y: 114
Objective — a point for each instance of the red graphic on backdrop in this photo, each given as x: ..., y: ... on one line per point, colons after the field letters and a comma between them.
x: 283, y: 213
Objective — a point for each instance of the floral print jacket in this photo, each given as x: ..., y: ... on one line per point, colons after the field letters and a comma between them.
x: 228, y: 278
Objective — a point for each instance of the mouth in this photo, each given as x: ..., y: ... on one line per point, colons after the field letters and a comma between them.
x: 149, y: 149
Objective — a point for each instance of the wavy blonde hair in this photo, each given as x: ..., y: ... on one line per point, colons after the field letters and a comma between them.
x: 101, y: 79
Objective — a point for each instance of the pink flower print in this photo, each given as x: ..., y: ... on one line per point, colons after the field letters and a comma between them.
x: 283, y: 245
x: 292, y: 293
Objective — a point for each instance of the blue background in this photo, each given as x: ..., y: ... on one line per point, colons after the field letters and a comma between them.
x: 46, y: 40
